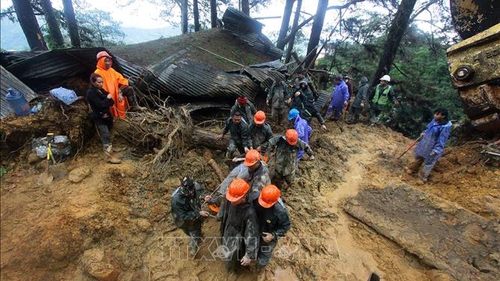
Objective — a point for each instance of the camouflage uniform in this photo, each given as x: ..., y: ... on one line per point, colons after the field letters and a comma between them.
x: 274, y: 220
x: 260, y: 136
x: 185, y: 209
x: 286, y: 159
x: 239, y: 136
x: 276, y: 99
x: 257, y: 179
x: 240, y: 234
x: 247, y: 111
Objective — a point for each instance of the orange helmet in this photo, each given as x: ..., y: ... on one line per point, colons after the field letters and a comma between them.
x: 259, y: 117
x: 269, y: 196
x: 237, y: 189
x: 102, y: 54
x: 253, y: 156
x: 292, y: 137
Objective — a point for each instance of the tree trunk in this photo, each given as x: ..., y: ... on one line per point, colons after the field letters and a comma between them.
x: 55, y: 34
x: 69, y: 14
x: 196, y: 16
x: 29, y: 24
x: 245, y: 7
x: 293, y: 32
x: 316, y: 32
x: 396, y: 32
x: 285, y: 22
x: 184, y: 16
x: 213, y: 13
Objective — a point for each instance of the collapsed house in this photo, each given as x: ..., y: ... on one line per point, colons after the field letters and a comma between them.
x: 181, y: 73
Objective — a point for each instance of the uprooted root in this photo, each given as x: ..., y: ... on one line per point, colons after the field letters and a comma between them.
x: 165, y: 130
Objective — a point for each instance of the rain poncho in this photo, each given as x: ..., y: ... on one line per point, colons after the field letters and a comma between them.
x: 112, y: 82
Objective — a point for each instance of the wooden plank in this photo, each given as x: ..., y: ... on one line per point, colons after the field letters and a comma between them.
x: 443, y: 234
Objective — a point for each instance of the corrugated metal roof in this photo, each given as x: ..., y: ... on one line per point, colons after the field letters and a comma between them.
x: 237, y: 21
x: 250, y: 31
x: 49, y: 69
x: 187, y: 79
x: 10, y: 81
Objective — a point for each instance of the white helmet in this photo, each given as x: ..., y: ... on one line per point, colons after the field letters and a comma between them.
x: 386, y: 78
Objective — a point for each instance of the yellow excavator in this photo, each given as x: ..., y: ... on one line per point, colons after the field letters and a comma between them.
x: 474, y: 63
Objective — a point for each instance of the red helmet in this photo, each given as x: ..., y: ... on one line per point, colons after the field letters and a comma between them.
x: 237, y: 189
x: 253, y: 156
x: 102, y: 54
x: 259, y: 117
x: 269, y: 196
x: 242, y: 100
x: 292, y: 137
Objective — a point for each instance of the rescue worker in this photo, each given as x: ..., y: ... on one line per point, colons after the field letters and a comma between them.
x: 302, y: 128
x: 350, y: 89
x: 276, y: 99
x: 245, y: 108
x: 252, y: 170
x: 186, y: 211
x: 431, y: 146
x: 274, y: 222
x: 260, y: 132
x: 286, y: 160
x: 303, y: 100
x: 240, y: 235
x: 360, y: 100
x: 339, y: 99
x: 381, y: 98
x: 257, y: 171
x: 100, y: 101
x: 239, y: 137
x: 116, y: 85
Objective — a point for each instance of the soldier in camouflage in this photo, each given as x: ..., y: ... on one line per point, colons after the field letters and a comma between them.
x: 186, y: 211
x: 260, y: 132
x: 240, y: 235
x: 239, y: 135
x: 287, y: 148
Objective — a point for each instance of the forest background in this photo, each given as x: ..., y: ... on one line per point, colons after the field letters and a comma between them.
x: 405, y: 38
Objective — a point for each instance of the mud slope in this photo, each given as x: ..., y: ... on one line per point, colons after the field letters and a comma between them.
x: 113, y: 223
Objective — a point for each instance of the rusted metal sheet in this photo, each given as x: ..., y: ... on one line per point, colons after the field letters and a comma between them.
x: 10, y: 81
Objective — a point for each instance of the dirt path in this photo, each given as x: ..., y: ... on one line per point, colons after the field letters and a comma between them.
x: 46, y: 231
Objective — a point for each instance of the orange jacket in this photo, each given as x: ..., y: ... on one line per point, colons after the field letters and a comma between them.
x: 112, y: 82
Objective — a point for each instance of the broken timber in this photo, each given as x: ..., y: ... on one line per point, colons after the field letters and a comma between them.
x: 442, y: 234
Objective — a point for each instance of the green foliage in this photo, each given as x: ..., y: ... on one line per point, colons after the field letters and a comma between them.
x: 97, y: 28
x: 419, y: 76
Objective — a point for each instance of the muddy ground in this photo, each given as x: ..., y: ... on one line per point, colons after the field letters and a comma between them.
x: 98, y: 221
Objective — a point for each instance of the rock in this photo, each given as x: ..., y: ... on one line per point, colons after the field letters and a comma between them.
x: 58, y: 170
x: 96, y: 265
x: 33, y: 159
x: 78, y: 174
x: 143, y: 224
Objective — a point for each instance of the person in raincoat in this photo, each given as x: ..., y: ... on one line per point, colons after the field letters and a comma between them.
x: 339, y: 99
x: 116, y: 85
x: 430, y: 148
x: 360, y: 100
x: 302, y: 128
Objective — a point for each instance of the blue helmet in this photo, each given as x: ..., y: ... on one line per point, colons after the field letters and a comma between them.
x: 293, y: 113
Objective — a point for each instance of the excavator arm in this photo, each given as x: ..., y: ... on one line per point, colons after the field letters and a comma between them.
x: 474, y: 63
